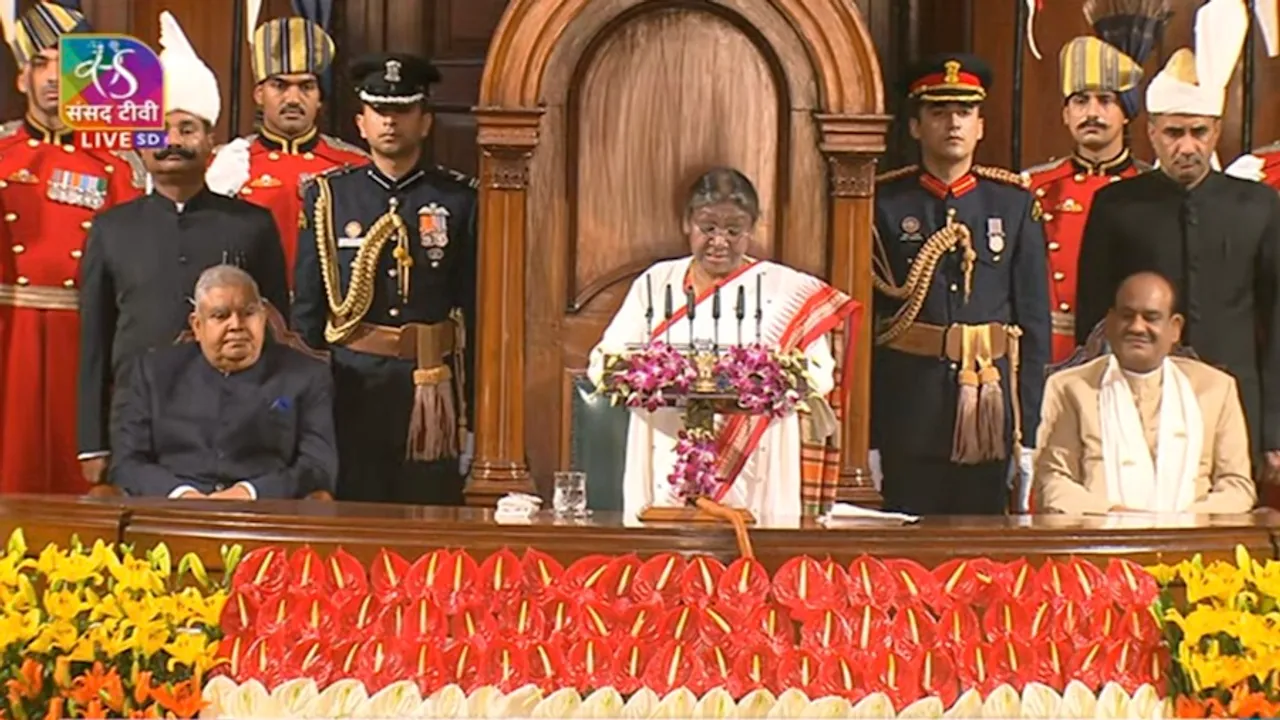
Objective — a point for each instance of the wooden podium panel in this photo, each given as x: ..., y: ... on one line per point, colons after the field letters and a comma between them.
x: 595, y: 117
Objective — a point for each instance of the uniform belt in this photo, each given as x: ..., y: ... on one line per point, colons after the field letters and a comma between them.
x: 39, y: 298
x: 940, y: 341
x: 1063, y: 323
x: 414, y: 341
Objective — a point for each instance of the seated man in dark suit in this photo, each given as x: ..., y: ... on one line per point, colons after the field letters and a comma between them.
x: 227, y: 416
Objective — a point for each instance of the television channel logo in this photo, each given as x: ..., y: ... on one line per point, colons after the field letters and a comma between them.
x: 111, y: 91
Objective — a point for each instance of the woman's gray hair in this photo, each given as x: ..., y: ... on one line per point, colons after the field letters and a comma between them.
x: 225, y: 276
x: 724, y: 185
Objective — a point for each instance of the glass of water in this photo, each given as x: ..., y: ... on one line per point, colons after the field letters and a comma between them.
x: 570, y: 498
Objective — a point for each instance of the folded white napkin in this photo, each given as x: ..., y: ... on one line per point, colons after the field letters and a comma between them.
x: 517, y: 508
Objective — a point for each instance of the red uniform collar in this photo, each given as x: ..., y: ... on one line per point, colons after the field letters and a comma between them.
x: 47, y: 135
x: 1114, y: 166
x: 304, y: 143
x: 940, y: 190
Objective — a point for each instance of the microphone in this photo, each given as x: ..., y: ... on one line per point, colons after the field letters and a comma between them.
x: 715, y: 319
x: 740, y: 310
x: 667, y: 313
x: 691, y: 309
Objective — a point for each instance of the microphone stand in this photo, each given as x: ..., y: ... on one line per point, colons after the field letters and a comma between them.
x: 740, y: 310
x: 715, y: 318
x: 667, y: 313
x: 648, y: 307
x: 759, y: 311
x: 691, y: 309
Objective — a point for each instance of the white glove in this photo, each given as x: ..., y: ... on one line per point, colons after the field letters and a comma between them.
x: 229, y: 170
x: 1246, y: 167
x: 877, y: 475
x: 468, y: 453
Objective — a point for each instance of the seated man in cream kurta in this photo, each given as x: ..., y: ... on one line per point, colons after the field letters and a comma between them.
x: 760, y: 462
x: 1138, y: 430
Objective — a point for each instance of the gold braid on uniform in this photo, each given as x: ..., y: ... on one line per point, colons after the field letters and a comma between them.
x: 345, y: 313
x: 916, y: 287
x: 1008, y: 177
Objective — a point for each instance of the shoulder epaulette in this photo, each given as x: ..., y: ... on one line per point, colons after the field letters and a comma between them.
x: 460, y: 177
x: 1044, y: 167
x: 901, y: 172
x: 10, y: 128
x: 1008, y: 177
x: 137, y: 170
x: 343, y: 145
x: 1272, y: 148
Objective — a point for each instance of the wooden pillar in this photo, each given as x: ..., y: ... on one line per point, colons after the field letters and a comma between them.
x: 852, y: 144
x: 507, y: 140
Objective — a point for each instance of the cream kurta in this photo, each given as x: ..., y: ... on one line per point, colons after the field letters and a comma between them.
x: 769, y: 483
x: 1070, y: 475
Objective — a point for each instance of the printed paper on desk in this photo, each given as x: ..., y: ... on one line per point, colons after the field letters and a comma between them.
x: 846, y: 514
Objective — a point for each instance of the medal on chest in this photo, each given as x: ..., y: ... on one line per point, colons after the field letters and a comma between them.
x: 433, y: 231
x: 79, y: 189
x: 995, y: 234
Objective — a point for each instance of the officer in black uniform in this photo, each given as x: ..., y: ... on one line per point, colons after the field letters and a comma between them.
x: 961, y: 308
x: 385, y: 279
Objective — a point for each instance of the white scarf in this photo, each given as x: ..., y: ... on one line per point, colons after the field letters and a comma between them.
x: 1133, y: 480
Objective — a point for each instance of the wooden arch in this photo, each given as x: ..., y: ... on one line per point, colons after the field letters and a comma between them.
x: 831, y: 118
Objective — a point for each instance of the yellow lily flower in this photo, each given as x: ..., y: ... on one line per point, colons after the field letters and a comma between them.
x: 76, y: 569
x: 61, y: 635
x: 150, y: 638
x: 190, y: 648
x: 1266, y: 578
x: 136, y: 574
x: 112, y: 639
x: 10, y: 567
x: 1203, y: 621
x: 18, y: 627
x: 64, y: 604
x: 1219, y: 581
x: 86, y: 649
x: 1164, y: 574
x: 140, y: 610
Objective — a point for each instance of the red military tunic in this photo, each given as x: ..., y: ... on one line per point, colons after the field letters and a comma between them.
x: 1064, y: 192
x: 279, y: 170
x: 1270, y: 157
x: 50, y: 191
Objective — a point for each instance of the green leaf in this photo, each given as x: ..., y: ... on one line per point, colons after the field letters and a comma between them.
x: 17, y: 544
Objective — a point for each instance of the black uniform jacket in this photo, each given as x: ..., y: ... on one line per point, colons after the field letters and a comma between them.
x: 914, y: 397
x: 139, y: 272
x: 1219, y: 244
x: 176, y: 420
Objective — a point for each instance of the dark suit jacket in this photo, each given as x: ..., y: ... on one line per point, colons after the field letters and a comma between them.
x: 141, y: 263
x: 176, y: 420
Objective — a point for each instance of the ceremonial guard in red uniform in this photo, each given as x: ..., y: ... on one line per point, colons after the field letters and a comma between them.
x: 50, y: 191
x: 1262, y: 165
x: 1099, y: 82
x: 272, y: 167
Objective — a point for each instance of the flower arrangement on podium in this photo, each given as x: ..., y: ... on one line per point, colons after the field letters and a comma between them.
x: 1223, y: 631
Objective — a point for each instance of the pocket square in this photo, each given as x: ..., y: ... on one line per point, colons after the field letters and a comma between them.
x: 280, y: 403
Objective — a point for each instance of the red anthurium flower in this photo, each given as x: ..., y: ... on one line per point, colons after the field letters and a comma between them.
x: 1094, y: 588
x: 1015, y: 661
x: 1089, y: 665
x: 231, y: 655
x: 752, y: 669
x: 475, y: 626
x: 456, y: 587
x: 387, y: 574
x: 1126, y: 664
x: 619, y: 580
x: 803, y: 587
x: 362, y: 618
x: 262, y: 573
x: 590, y: 663
x: 894, y: 677
x: 959, y: 626
x: 1153, y: 664
x: 423, y: 622
x: 718, y: 663
x: 1040, y: 621
x: 584, y: 580
x: 827, y: 633
x: 1131, y: 585
x: 659, y: 579
x: 682, y: 625
x: 464, y: 664
x: 502, y: 577
x: 420, y: 580
x: 869, y: 629
x: 700, y: 579
x: 800, y: 669
x: 630, y: 661
x: 239, y: 613
x: 915, y: 585
x: 523, y: 621
x: 772, y: 623
x: 1055, y: 582
x: 1141, y: 626
x: 561, y: 617
x: 263, y: 661
x: 344, y: 578
x: 1104, y: 621
x: 936, y: 671
x: 1016, y: 582
x: 913, y: 629
x: 542, y: 573
x: 424, y: 661
x: 1071, y: 624
x: 842, y: 675
x: 546, y: 667
x: 641, y: 622
x: 345, y: 655
x: 745, y: 584
x: 1006, y: 620
x: 674, y: 666
x: 312, y: 618
x: 274, y: 616
x: 839, y: 580
x: 306, y: 572
x: 1053, y: 663
x: 506, y: 666
x: 310, y: 659
x: 977, y: 666
x: 715, y: 627
x: 595, y: 619
x: 378, y: 664
x: 965, y: 580
x: 870, y: 583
